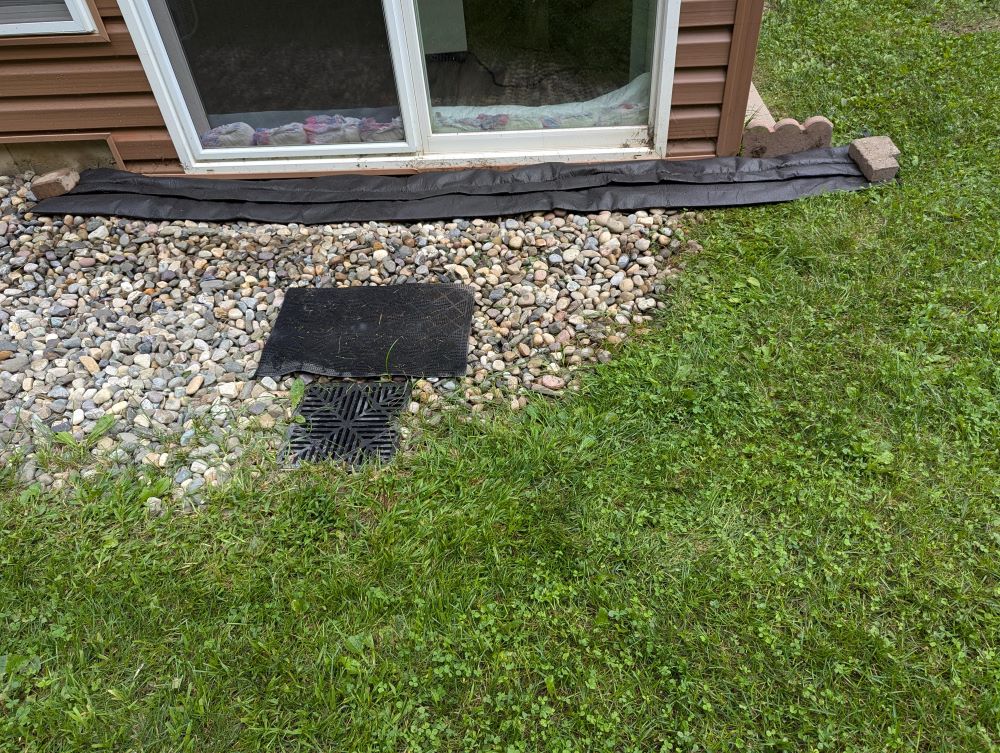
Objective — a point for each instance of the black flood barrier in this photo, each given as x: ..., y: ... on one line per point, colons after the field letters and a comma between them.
x: 352, y: 422
x: 638, y: 184
x: 415, y: 330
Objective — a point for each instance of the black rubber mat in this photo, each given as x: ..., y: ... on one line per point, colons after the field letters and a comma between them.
x: 353, y: 422
x: 412, y: 330
x: 635, y: 184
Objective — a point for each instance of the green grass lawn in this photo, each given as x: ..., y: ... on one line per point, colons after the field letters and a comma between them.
x: 770, y: 524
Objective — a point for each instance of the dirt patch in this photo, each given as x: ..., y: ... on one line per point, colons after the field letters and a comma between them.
x: 962, y: 26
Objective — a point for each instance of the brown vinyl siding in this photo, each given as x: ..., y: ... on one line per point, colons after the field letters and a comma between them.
x: 66, y: 78
x: 94, y: 82
x: 143, y: 143
x: 695, y: 122
x: 699, y: 86
x: 703, y: 47
x: 715, y: 36
x: 746, y: 30
x: 708, y: 13
x: 58, y: 87
x: 98, y: 112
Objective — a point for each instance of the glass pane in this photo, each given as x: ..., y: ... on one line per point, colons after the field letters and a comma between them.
x: 258, y: 73
x: 33, y: 11
x: 534, y: 64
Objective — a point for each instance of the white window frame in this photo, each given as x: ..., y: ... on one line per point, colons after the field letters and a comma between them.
x: 422, y: 148
x: 547, y: 140
x: 165, y: 81
x: 82, y: 22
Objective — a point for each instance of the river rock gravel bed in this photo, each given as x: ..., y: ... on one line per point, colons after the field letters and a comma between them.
x: 128, y: 342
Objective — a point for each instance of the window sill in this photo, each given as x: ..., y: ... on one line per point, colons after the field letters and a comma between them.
x: 98, y: 36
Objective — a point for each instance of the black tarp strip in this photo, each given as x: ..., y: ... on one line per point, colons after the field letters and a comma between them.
x: 589, y: 200
x: 527, y: 179
x: 405, y: 191
x: 731, y: 181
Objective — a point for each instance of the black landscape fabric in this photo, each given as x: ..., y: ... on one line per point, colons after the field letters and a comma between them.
x: 416, y: 330
x: 638, y: 184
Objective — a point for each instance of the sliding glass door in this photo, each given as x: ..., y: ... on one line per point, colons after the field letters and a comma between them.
x: 257, y: 79
x: 310, y: 72
x: 313, y: 79
x: 527, y: 65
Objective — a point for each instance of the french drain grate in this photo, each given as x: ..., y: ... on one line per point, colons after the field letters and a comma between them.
x: 350, y: 421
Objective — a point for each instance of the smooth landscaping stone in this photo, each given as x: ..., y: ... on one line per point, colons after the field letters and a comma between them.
x: 160, y: 326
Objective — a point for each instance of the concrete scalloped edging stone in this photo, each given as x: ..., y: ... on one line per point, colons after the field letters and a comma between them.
x: 787, y: 136
x: 763, y: 137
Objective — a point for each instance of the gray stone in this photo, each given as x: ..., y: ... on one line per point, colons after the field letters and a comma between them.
x: 165, y: 336
x: 154, y: 506
x: 15, y: 364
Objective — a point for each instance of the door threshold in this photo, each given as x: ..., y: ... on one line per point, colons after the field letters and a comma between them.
x: 410, y: 163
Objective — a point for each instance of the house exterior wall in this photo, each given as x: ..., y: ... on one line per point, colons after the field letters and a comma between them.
x: 94, y: 87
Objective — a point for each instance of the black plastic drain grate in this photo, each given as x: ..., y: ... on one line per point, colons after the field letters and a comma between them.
x: 353, y: 422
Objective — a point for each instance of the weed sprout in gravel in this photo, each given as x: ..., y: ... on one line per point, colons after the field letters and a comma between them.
x: 160, y: 326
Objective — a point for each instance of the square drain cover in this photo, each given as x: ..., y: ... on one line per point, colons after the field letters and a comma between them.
x: 353, y: 422
x: 371, y: 331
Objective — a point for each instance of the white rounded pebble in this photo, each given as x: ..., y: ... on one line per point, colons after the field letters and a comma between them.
x: 154, y: 330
